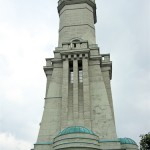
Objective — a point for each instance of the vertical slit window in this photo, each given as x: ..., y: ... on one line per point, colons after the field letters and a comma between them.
x: 75, y: 45
x: 80, y: 71
x: 71, y: 71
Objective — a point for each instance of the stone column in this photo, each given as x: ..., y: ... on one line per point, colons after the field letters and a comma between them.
x: 48, y: 69
x: 86, y: 94
x: 75, y: 91
x: 64, y: 107
x: 48, y: 73
x: 106, y: 77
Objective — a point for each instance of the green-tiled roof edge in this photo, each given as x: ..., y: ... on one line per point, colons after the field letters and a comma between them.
x: 43, y: 143
x: 121, y: 140
x: 76, y: 129
x: 105, y: 141
x: 127, y: 141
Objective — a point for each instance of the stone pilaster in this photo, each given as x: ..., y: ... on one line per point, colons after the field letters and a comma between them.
x: 64, y: 107
x: 106, y: 78
x: 86, y: 92
x: 49, y: 76
x: 75, y: 91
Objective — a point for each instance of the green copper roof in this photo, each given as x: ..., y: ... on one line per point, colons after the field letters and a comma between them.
x: 76, y: 129
x: 127, y: 141
x: 121, y: 140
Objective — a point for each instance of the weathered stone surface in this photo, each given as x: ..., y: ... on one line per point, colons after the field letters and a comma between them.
x: 76, y: 21
x: 78, y: 89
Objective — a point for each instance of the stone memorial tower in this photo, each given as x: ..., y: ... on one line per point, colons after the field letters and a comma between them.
x: 78, y: 112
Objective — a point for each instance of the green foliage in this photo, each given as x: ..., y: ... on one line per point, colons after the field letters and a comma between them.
x: 145, y: 142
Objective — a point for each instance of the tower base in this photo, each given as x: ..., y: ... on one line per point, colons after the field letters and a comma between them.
x: 81, y: 138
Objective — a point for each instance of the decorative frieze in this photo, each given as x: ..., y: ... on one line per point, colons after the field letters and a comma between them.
x: 74, y: 56
x: 75, y: 45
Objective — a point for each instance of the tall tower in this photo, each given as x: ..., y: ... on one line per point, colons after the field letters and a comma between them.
x: 78, y: 112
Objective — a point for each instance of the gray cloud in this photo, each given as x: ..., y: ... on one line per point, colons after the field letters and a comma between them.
x: 124, y: 32
x: 28, y: 35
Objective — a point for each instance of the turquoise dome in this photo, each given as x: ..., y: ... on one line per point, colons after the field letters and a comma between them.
x: 127, y: 141
x: 76, y: 129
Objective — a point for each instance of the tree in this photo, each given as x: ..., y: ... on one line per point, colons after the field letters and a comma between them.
x: 145, y: 142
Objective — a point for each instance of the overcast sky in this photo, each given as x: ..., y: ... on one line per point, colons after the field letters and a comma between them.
x: 29, y: 34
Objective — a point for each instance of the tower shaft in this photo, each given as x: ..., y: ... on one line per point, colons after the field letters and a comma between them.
x: 77, y: 18
x: 78, y: 112
x: 77, y: 91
